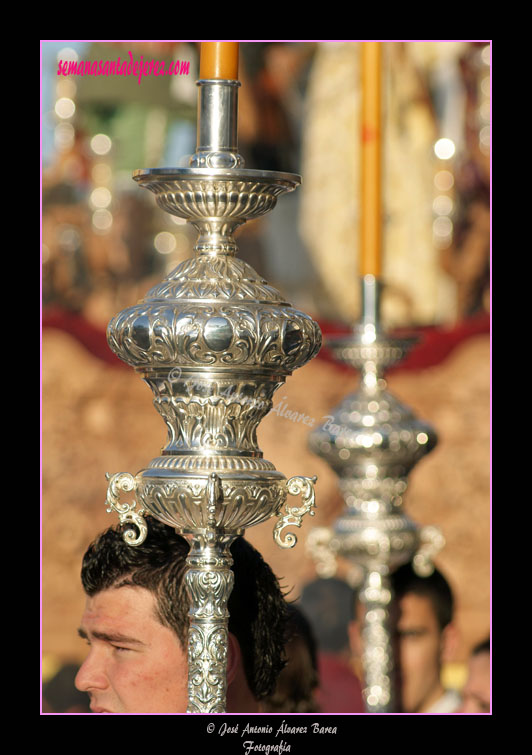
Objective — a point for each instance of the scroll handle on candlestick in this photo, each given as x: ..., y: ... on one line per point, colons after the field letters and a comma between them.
x: 126, y: 511
x: 294, y: 515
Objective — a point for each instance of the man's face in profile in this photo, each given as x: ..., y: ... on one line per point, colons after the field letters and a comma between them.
x: 135, y: 664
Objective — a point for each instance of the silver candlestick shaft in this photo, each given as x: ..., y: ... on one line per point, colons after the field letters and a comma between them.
x: 372, y: 442
x: 213, y: 341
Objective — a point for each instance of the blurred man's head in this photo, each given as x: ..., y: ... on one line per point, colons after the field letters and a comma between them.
x: 136, y: 623
x: 329, y: 605
x: 425, y: 636
x: 476, y: 694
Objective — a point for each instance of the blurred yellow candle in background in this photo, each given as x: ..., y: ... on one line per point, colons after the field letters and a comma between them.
x: 371, y: 148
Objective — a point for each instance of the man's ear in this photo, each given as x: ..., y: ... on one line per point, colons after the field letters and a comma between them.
x: 234, y: 657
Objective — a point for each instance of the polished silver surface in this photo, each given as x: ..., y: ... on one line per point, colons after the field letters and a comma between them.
x: 213, y: 341
x: 372, y: 442
x: 126, y: 511
x: 209, y: 582
x: 217, y: 139
x: 371, y: 291
x: 294, y: 514
x: 216, y: 202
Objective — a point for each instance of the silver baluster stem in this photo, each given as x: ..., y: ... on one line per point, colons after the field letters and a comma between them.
x: 371, y: 292
x: 209, y: 582
x: 378, y: 656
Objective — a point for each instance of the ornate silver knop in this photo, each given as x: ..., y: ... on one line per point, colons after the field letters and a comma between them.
x: 214, y: 341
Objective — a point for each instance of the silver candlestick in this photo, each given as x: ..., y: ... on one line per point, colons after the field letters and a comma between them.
x: 213, y: 341
x: 372, y: 442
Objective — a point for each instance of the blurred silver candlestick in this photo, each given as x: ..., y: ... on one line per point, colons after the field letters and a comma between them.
x: 213, y: 341
x: 372, y: 442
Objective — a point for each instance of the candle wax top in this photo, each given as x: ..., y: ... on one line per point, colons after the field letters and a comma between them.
x: 219, y: 60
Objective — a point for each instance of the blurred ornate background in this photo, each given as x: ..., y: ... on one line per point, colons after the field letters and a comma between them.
x: 105, y: 242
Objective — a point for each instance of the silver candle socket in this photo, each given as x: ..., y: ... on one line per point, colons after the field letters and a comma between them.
x: 372, y: 442
x: 217, y: 138
x: 213, y: 341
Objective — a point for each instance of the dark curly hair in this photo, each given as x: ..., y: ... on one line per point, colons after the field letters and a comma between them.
x: 434, y: 587
x: 257, y: 609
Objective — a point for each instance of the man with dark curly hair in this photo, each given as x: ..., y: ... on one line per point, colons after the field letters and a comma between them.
x: 136, y: 624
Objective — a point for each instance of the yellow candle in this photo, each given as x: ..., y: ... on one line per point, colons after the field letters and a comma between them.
x: 370, y: 217
x: 219, y: 60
